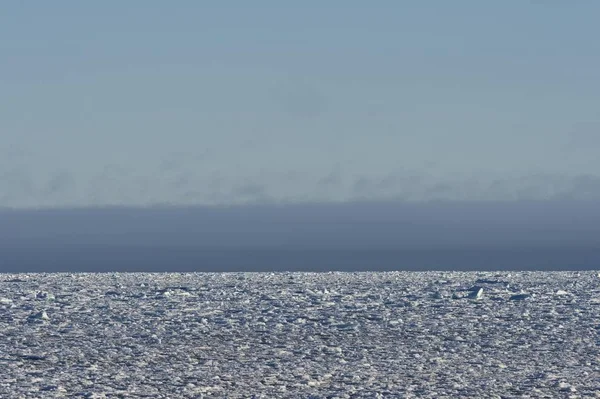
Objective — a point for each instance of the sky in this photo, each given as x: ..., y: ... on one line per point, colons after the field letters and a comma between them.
x: 151, y: 102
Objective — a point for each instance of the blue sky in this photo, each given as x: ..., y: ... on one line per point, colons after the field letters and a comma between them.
x: 188, y: 102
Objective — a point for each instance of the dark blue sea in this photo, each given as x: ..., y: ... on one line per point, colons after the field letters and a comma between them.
x: 132, y: 259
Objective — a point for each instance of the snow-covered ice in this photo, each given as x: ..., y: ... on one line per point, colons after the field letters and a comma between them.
x: 300, y: 335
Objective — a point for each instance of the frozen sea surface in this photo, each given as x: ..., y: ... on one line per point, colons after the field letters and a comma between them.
x: 300, y: 335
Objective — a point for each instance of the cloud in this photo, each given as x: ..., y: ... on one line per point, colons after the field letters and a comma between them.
x: 415, y: 187
x: 13, y: 154
x: 333, y: 179
x: 60, y: 184
x: 250, y: 192
x: 584, y: 136
x: 16, y: 186
x: 300, y: 99
x: 186, y: 184
x: 177, y: 161
x: 582, y: 187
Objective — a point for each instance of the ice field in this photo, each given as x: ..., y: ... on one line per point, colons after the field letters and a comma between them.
x: 300, y: 335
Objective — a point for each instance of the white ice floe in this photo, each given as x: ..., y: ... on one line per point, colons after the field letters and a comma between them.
x: 476, y: 293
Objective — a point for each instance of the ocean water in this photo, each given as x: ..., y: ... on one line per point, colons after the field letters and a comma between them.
x: 190, y: 259
x: 554, y: 235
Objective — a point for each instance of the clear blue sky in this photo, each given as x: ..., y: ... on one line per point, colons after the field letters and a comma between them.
x: 140, y: 102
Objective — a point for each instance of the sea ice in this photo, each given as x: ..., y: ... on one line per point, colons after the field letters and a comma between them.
x: 299, y: 334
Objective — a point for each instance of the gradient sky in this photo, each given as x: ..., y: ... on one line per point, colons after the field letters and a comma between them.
x: 188, y: 102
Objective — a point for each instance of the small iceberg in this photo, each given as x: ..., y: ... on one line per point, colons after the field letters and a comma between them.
x: 475, y: 293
